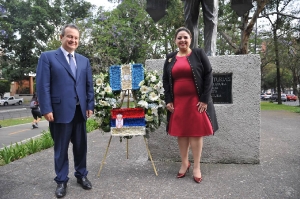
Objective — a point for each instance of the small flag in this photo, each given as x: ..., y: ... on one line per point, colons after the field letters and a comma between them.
x: 127, y: 121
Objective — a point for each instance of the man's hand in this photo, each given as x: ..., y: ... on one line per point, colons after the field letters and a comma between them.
x: 49, y: 117
x: 89, y: 113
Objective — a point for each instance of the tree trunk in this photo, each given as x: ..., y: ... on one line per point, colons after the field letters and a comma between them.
x: 247, y: 28
x: 275, y: 37
x: 295, y: 90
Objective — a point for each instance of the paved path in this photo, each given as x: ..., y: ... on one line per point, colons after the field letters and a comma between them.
x: 276, y: 177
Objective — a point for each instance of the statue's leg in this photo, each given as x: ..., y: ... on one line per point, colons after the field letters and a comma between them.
x: 191, y: 13
x: 210, y: 15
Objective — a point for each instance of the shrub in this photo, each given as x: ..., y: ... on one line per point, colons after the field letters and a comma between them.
x: 4, y: 86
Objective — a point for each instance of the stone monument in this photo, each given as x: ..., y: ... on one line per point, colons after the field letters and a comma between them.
x: 236, y: 96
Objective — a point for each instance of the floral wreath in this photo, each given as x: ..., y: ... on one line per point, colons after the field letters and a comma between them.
x: 149, y: 96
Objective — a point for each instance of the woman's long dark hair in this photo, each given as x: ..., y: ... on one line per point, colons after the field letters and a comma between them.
x: 34, y: 97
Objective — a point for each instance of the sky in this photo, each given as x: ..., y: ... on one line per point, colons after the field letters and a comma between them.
x: 107, y: 5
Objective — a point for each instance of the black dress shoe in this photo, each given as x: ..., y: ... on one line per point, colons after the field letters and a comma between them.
x: 61, y: 190
x: 85, y: 183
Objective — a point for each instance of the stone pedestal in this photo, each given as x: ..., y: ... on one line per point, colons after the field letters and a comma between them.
x: 238, y: 137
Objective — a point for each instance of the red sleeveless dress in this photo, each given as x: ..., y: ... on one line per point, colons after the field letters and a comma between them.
x: 186, y: 120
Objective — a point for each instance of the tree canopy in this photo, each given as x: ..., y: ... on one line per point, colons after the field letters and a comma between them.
x: 127, y: 34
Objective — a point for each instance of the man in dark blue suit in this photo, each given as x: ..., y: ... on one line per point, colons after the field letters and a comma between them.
x: 66, y: 97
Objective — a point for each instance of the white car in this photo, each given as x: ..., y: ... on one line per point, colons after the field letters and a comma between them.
x: 11, y: 101
x: 265, y: 96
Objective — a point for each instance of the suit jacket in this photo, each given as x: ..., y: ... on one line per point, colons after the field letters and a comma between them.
x: 203, y: 79
x: 57, y: 88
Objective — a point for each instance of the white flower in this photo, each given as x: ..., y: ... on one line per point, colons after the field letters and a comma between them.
x: 112, y: 102
x: 103, y: 103
x: 141, y: 83
x: 161, y: 91
x: 143, y: 104
x: 156, y: 87
x: 150, y: 88
x: 148, y: 118
x: 99, y: 82
x: 145, y: 89
x: 160, y: 84
x: 154, y: 111
x: 153, y: 78
x: 161, y: 103
x: 108, y: 89
x: 153, y: 96
x: 149, y: 97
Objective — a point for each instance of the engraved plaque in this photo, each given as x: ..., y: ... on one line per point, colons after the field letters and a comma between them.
x: 222, y: 88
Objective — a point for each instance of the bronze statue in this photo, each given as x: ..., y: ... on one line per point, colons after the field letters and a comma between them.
x: 210, y: 17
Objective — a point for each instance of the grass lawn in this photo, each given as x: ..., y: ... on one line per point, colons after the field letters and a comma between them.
x: 12, y: 122
x: 274, y: 106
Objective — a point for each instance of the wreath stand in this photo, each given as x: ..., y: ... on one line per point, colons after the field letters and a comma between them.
x: 149, y: 154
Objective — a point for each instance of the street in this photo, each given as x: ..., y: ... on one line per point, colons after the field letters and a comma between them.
x: 14, y: 111
x: 20, y: 132
x: 12, y: 134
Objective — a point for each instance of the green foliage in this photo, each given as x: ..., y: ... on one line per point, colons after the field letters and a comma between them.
x: 228, y: 25
x: 165, y: 30
x: 46, y: 140
x: 4, y: 86
x: 151, y: 97
x: 29, y: 26
x: 281, y: 26
x: 280, y: 60
x: 269, y: 77
x: 33, y: 146
x: 6, y: 154
x: 105, y: 99
x: 91, y: 125
x: 18, y: 151
x: 32, y: 21
x: 121, y: 36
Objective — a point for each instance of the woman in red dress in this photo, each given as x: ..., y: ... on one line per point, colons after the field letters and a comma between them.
x: 187, y: 80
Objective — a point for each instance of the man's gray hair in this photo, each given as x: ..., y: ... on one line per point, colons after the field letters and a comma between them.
x: 68, y: 26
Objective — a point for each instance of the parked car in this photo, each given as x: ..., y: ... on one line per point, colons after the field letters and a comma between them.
x: 274, y: 97
x: 11, y: 101
x: 265, y: 96
x: 290, y: 97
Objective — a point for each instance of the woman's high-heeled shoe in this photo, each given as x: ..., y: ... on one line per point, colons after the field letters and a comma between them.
x: 181, y: 175
x: 197, y: 180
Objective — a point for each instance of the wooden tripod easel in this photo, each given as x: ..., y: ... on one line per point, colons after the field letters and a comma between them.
x: 149, y: 154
